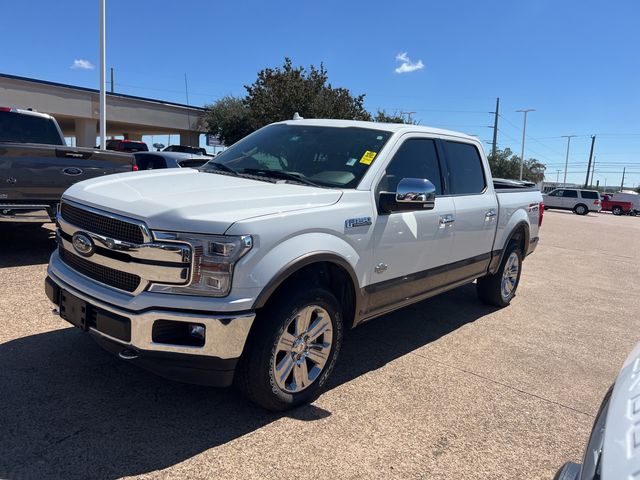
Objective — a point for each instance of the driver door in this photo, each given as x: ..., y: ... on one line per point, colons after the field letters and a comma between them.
x: 411, y: 248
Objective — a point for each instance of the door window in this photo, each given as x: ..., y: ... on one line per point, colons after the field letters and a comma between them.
x: 570, y: 194
x: 416, y: 158
x: 466, y: 174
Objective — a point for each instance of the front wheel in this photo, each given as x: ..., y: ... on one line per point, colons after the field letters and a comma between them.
x: 498, y: 289
x: 292, y: 350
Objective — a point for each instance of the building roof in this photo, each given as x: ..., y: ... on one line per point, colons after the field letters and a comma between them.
x: 93, y: 90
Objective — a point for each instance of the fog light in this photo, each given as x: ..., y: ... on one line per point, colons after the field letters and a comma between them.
x: 196, y: 330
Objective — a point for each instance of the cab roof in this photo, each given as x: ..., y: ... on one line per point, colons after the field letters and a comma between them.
x: 389, y: 127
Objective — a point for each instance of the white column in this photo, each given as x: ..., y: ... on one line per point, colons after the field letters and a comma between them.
x: 86, y: 132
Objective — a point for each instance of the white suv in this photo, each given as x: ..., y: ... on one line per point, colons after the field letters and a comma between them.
x: 580, y: 201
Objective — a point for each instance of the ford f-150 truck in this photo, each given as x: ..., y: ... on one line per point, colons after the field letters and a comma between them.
x: 36, y: 165
x: 249, y: 270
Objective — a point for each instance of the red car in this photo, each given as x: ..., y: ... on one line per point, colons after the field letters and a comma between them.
x: 616, y: 207
x: 126, y: 146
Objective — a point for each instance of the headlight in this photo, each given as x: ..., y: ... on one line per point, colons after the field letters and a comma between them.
x: 214, y: 257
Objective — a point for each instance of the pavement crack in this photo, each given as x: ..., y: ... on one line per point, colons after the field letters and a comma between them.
x: 506, y: 385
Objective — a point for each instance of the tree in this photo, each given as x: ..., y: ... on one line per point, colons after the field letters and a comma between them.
x: 230, y: 119
x: 383, y: 117
x: 276, y: 95
x: 507, y: 165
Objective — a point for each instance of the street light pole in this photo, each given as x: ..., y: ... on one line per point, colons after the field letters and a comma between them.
x: 566, y: 160
x: 103, y: 78
x: 524, y: 130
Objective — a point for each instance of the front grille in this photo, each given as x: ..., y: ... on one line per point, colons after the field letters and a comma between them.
x: 109, y: 276
x: 102, y: 225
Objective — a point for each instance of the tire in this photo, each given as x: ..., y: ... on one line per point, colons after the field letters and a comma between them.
x: 616, y: 210
x: 281, y: 341
x: 490, y: 288
x: 580, y: 209
x: 569, y: 471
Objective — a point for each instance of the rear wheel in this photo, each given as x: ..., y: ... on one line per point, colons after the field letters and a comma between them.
x: 499, y: 288
x: 581, y: 209
x: 292, y: 350
x: 616, y: 210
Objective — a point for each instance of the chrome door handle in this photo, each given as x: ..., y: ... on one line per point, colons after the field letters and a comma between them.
x: 446, y: 219
x: 490, y: 214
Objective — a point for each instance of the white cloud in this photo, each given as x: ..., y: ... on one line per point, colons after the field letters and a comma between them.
x: 82, y: 64
x: 407, y: 65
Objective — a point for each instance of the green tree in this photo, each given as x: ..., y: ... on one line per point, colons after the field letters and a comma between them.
x: 505, y: 164
x: 230, y: 119
x: 396, y: 117
x: 276, y: 95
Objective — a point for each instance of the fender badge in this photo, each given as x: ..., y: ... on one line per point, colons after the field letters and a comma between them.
x: 357, y: 222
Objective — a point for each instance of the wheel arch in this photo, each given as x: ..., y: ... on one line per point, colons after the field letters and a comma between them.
x: 324, y: 268
x: 520, y: 233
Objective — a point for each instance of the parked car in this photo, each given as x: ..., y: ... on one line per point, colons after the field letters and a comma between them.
x: 36, y: 165
x: 613, y: 450
x: 634, y: 198
x: 157, y: 160
x: 249, y: 269
x: 617, y: 207
x: 126, y: 145
x: 579, y: 201
x: 185, y: 149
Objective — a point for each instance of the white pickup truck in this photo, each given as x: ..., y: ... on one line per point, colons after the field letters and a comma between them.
x: 249, y: 269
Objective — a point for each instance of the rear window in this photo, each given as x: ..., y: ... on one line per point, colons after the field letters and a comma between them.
x: 588, y: 194
x: 25, y: 128
x: 466, y: 174
x: 134, y: 146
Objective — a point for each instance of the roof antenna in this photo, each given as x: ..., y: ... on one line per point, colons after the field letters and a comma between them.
x: 296, y: 116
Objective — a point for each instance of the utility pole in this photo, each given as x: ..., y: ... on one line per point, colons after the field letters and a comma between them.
x: 494, y: 144
x: 566, y: 160
x: 112, y: 87
x: 558, y: 177
x: 103, y: 75
x: 622, y: 183
x: 524, y: 130
x: 593, y: 142
x: 593, y: 169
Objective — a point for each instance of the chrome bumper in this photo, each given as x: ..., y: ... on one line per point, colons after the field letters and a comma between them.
x: 225, y: 336
x: 26, y: 213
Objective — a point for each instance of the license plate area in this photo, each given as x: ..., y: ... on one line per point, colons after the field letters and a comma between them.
x: 74, y: 310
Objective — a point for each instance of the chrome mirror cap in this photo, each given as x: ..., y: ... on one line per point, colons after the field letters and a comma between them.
x: 415, y: 190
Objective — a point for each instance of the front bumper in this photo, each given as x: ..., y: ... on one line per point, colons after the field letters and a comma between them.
x: 130, y: 335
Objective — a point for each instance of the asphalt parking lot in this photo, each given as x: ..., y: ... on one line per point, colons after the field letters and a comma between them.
x: 445, y: 389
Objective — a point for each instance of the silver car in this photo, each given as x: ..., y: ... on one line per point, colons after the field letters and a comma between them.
x: 577, y: 200
x: 613, y: 451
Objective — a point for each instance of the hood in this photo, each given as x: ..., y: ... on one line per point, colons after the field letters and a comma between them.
x: 186, y: 200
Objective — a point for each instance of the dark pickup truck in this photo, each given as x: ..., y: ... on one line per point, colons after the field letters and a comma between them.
x: 36, y: 165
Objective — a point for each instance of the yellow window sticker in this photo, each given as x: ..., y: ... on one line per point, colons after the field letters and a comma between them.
x: 368, y: 157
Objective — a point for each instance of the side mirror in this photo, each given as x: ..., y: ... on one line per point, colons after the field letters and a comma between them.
x: 418, y: 191
x: 411, y: 194
x: 158, y: 146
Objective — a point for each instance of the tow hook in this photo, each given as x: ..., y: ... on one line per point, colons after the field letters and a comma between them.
x: 128, y: 354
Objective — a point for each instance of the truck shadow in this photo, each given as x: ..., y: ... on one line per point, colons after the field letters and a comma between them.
x: 23, y: 245
x: 70, y: 410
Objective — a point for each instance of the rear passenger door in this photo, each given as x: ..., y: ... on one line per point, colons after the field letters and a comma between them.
x: 476, y: 209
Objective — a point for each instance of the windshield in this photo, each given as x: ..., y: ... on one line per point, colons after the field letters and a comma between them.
x: 325, y: 156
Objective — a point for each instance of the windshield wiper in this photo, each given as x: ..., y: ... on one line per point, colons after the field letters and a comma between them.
x: 295, y: 177
x: 223, y: 167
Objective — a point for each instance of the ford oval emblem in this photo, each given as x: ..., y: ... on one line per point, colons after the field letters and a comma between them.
x: 83, y: 244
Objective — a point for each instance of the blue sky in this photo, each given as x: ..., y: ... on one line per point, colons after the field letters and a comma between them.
x: 576, y: 62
